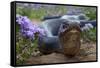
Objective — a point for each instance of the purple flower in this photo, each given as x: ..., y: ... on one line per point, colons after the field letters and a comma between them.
x: 30, y: 34
x: 27, y: 28
x: 42, y: 32
x: 87, y: 27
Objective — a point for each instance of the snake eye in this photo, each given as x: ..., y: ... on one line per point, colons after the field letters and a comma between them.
x: 65, y: 26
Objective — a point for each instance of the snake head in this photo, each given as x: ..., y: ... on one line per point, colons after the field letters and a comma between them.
x: 69, y: 36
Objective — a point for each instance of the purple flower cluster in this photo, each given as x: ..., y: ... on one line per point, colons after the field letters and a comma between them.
x: 87, y: 27
x: 28, y: 29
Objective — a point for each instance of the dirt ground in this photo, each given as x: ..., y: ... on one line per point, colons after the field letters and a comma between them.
x: 87, y: 53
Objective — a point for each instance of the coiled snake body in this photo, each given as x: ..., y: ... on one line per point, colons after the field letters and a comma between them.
x: 67, y: 39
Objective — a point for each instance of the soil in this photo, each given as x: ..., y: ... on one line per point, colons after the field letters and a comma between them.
x: 87, y: 53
